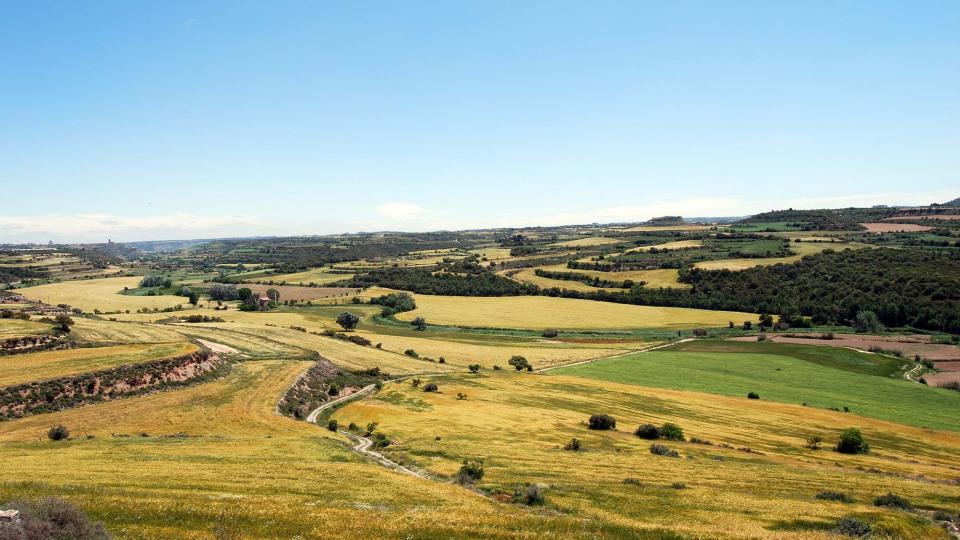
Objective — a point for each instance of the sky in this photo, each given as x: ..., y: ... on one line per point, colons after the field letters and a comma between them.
x: 144, y: 120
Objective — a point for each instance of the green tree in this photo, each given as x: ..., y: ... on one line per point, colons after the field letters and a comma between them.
x: 867, y: 321
x: 419, y: 323
x: 194, y: 297
x: 273, y: 295
x: 348, y: 320
x: 519, y: 362
x: 65, y: 322
x: 852, y: 442
x: 244, y: 294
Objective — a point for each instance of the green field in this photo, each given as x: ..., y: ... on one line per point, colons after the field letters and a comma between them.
x: 781, y: 375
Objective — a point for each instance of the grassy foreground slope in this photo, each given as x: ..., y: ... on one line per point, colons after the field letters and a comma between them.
x: 219, y: 449
x: 781, y: 373
x: 519, y: 422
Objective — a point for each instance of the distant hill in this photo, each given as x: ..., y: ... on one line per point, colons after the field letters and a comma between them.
x: 955, y: 202
x: 666, y: 220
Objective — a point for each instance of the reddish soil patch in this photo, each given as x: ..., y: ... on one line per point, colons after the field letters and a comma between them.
x: 895, y: 227
x: 293, y: 292
x: 944, y: 217
x: 908, y: 345
x: 939, y: 379
x: 947, y: 366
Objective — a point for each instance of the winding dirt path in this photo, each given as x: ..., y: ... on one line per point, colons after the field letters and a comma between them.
x: 312, y: 417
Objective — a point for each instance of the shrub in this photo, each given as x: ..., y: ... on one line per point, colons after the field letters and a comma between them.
x: 678, y: 485
x: 813, y: 442
x: 753, y: 395
x: 834, y: 496
x: 332, y: 425
x: 941, y: 515
x: 632, y: 481
x: 851, y: 442
x: 419, y: 323
x: 892, y: 500
x: 661, y: 450
x: 648, y: 431
x: 348, y: 320
x: 497, y: 368
x: 58, y: 433
x: 531, y: 495
x: 470, y: 471
x: 431, y: 387
x: 550, y: 333
x: 671, y: 432
x: 415, y: 382
x: 474, y: 368
x: 602, y: 422
x: 411, y: 353
x: 461, y: 396
x: 52, y: 517
x: 850, y: 526
x: 519, y: 362
x: 573, y: 445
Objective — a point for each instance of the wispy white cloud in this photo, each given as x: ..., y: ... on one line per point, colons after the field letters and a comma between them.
x: 88, y: 227
x: 398, y: 210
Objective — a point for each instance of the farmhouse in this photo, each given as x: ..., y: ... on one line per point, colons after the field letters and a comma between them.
x: 263, y: 301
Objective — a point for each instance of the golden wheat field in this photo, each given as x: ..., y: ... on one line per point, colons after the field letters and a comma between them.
x: 540, y: 312
x: 661, y: 277
x: 102, y: 294
x: 802, y: 249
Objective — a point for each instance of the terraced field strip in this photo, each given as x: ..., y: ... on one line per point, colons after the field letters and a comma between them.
x: 16, y: 328
x: 46, y: 365
x: 801, y: 248
x: 103, y: 294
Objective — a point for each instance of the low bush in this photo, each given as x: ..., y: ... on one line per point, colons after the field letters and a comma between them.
x: 474, y: 368
x: 332, y: 425
x: 648, y: 431
x: 551, y: 333
x: 573, y: 445
x: 411, y: 353
x: 661, y: 450
x: 431, y: 387
x: 892, y: 500
x: 671, y: 432
x: 58, y: 433
x: 531, y: 495
x: 852, y: 442
x: 632, y: 481
x: 470, y: 471
x: 834, y: 496
x: 678, y: 485
x: 602, y: 422
x: 850, y: 526
x: 753, y: 395
x: 813, y: 442
x: 50, y: 518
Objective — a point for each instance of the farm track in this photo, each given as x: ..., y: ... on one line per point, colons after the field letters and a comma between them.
x: 618, y: 355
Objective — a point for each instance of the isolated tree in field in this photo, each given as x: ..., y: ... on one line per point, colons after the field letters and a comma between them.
x: 419, y: 323
x: 474, y: 368
x: 852, y: 442
x: 244, y: 294
x: 348, y: 320
x: 168, y: 283
x: 602, y: 422
x: 519, y: 362
x: 58, y: 433
x: 867, y: 321
x: 64, y: 322
x: 273, y: 295
x: 194, y: 297
x: 747, y: 325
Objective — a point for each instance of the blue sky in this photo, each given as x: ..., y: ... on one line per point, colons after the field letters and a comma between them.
x: 148, y: 120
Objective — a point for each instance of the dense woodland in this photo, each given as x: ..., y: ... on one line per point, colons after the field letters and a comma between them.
x: 843, y: 219
x: 919, y: 289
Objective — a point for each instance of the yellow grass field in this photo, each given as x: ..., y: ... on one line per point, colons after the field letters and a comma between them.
x: 802, y: 249
x: 588, y: 242
x: 679, y: 244
x: 518, y: 423
x: 540, y: 312
x: 320, y: 276
x: 662, y: 277
x: 462, y: 353
x: 103, y: 294
x: 15, y: 328
x: 167, y: 465
x: 45, y: 365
